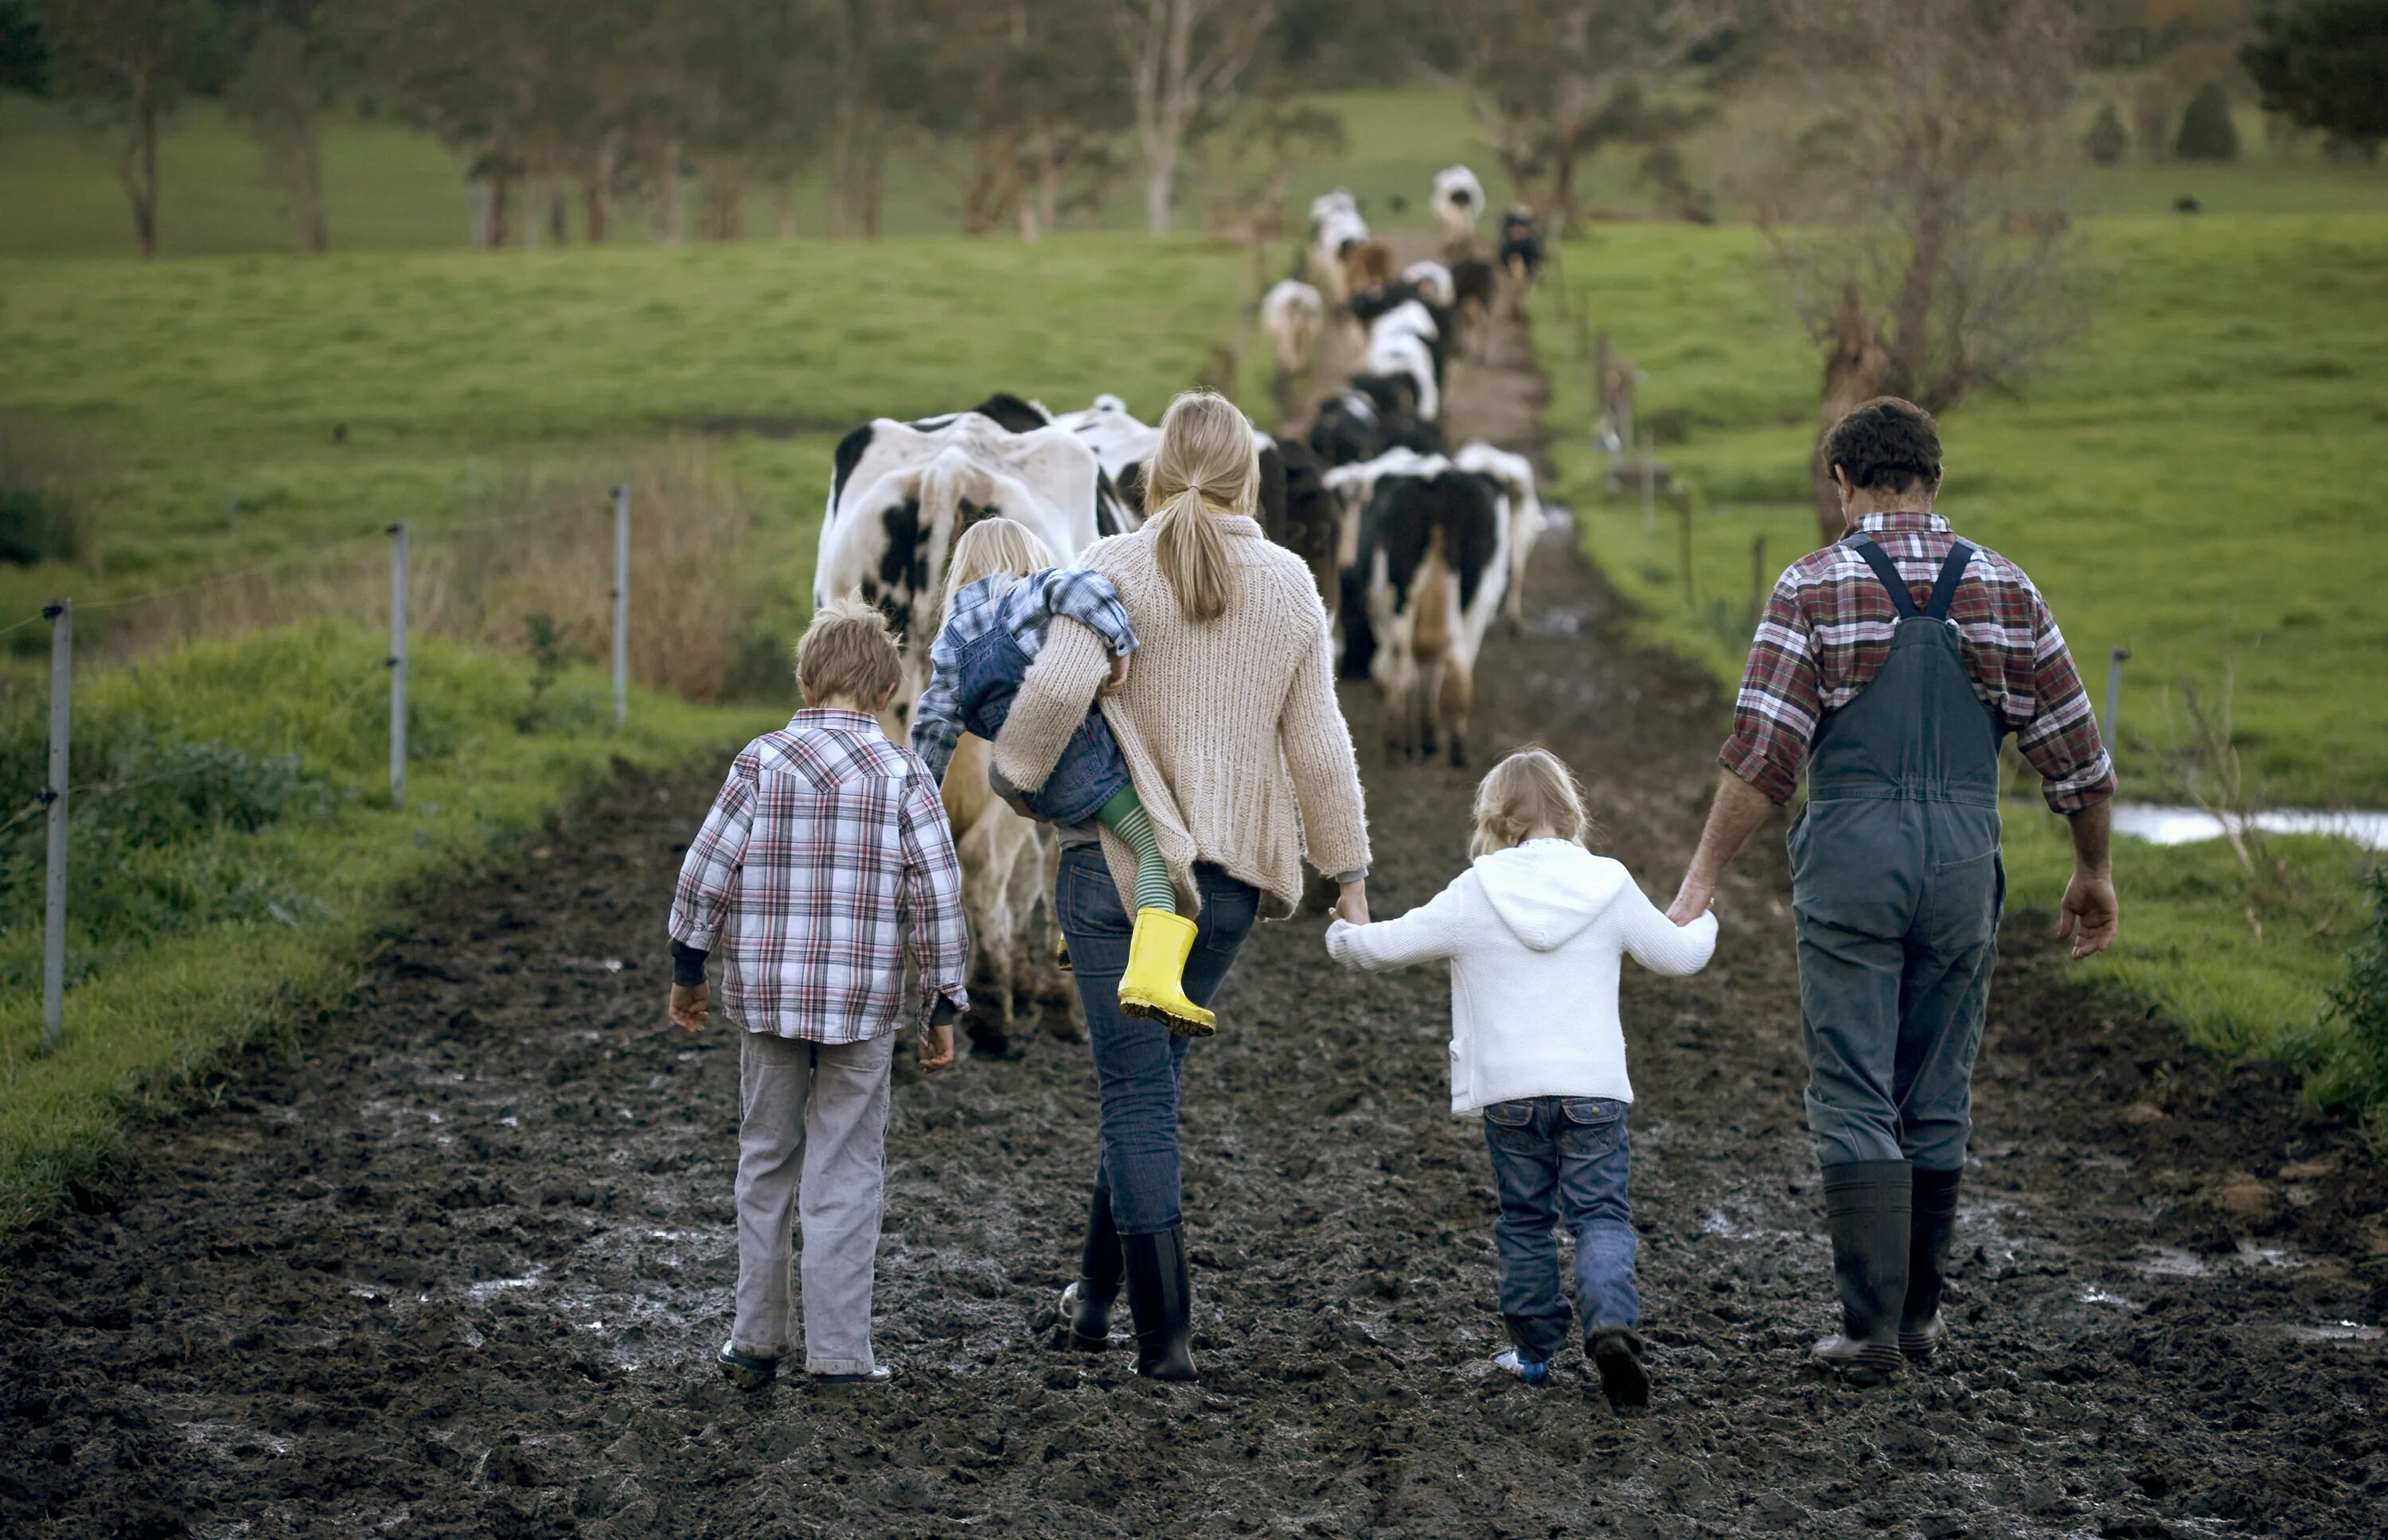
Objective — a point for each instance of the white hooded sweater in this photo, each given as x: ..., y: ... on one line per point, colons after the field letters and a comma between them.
x: 1533, y: 935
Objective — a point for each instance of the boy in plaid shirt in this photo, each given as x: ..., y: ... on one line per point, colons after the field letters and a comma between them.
x: 825, y: 865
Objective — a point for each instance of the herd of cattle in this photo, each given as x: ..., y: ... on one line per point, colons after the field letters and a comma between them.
x: 1415, y: 546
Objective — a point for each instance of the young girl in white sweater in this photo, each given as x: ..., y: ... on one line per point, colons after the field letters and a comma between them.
x: 1533, y: 931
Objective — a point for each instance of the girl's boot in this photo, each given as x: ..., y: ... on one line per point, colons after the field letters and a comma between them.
x: 1154, y: 984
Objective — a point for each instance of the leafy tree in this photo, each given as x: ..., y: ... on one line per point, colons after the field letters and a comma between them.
x: 2324, y: 64
x: 1185, y: 58
x: 24, y: 55
x: 1555, y: 81
x: 122, y: 67
x: 294, y: 54
x: 2206, y: 131
x: 1926, y: 252
x: 2109, y: 140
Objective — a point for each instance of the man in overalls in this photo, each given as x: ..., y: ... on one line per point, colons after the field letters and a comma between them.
x: 1889, y: 667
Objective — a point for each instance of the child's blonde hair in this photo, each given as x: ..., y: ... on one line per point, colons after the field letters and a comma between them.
x: 986, y: 548
x: 1207, y: 458
x: 1532, y: 788
x: 847, y: 650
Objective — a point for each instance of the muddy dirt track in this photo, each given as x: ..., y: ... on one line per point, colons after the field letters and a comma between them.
x: 460, y: 1270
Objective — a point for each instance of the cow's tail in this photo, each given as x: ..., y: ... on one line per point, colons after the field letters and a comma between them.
x: 1431, y: 602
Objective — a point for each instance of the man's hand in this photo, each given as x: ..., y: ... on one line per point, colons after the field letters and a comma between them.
x: 1352, y: 904
x: 1118, y: 680
x: 1692, y: 899
x: 2090, y: 913
x: 690, y: 1005
x: 936, y: 1048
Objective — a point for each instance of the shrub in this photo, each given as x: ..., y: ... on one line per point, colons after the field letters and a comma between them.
x: 44, y: 513
x: 2206, y: 131
x: 2109, y: 140
x: 2357, y: 1070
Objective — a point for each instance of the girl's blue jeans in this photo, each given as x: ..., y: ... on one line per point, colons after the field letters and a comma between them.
x: 1561, y: 1159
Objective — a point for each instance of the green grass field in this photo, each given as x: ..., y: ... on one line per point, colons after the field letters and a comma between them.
x: 444, y: 374
x: 2193, y: 482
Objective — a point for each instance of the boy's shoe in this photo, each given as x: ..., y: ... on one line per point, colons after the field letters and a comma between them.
x: 745, y: 1371
x: 1154, y: 984
x: 1062, y: 956
x: 880, y: 1374
x: 1616, y: 1353
x: 1529, y: 1370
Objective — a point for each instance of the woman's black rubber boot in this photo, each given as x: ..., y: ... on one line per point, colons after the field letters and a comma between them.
x: 1087, y: 1304
x: 1160, y: 1298
x: 1866, y: 1204
x: 1931, y: 1222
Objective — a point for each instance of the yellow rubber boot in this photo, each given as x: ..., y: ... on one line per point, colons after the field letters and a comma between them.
x: 1154, y: 984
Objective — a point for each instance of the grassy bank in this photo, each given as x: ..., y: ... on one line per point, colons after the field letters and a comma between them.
x: 234, y: 858
x: 2192, y: 483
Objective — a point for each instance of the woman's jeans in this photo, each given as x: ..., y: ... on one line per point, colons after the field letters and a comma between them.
x: 1138, y: 1062
x: 1561, y: 1158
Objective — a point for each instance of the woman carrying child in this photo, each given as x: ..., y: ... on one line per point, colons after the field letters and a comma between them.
x: 1534, y: 930
x: 1241, y: 765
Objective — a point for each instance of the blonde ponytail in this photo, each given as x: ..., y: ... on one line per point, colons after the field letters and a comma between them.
x: 1207, y: 462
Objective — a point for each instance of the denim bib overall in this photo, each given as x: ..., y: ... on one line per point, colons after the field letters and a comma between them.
x: 1896, y: 887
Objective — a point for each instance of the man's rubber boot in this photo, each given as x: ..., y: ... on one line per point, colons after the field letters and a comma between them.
x: 1160, y: 1298
x: 1932, y: 1221
x: 1154, y: 984
x: 1866, y: 1204
x: 1087, y: 1304
x: 1616, y: 1353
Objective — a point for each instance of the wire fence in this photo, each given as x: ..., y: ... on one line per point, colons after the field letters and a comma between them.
x: 240, y: 598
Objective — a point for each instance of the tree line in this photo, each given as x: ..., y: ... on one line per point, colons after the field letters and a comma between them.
x: 559, y: 111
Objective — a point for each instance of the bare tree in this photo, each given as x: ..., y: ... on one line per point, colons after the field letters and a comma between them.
x: 1929, y: 250
x: 121, y: 67
x: 1555, y: 81
x: 1185, y: 57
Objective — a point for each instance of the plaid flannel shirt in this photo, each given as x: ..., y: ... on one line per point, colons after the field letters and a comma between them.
x: 1828, y: 631
x: 825, y: 865
x: 1024, y: 608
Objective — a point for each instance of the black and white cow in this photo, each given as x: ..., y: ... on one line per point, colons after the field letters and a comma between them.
x: 1514, y: 473
x: 1522, y: 248
x: 1433, y: 563
x: 1124, y: 446
x: 1459, y: 201
x: 1304, y: 523
x: 1404, y: 341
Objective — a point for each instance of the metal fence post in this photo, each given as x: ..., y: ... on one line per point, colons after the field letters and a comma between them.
x: 2114, y: 692
x: 397, y: 664
x: 54, y: 886
x: 621, y: 605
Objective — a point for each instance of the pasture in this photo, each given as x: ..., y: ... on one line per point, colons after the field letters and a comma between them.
x: 2194, y: 481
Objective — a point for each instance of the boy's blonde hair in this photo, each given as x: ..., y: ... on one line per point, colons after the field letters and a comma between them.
x: 1532, y: 788
x: 847, y: 650
x: 988, y: 547
x: 1207, y: 460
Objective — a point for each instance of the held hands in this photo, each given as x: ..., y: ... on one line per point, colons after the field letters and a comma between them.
x: 1352, y: 904
x: 2090, y: 913
x: 690, y: 1005
x: 1690, y: 901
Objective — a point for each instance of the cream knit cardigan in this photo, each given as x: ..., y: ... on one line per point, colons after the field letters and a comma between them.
x: 1230, y: 727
